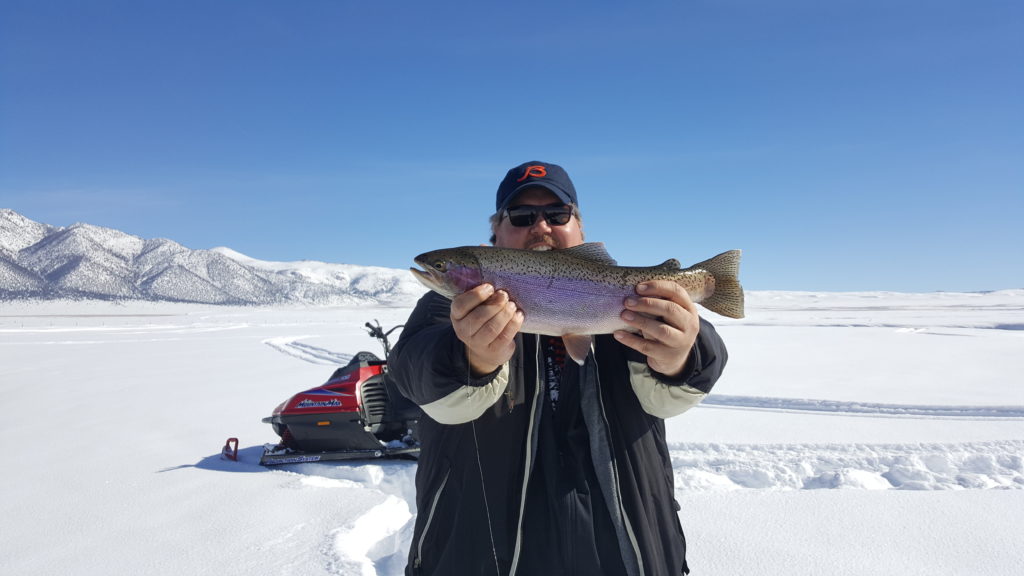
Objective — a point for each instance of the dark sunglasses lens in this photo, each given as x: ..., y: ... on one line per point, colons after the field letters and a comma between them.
x: 523, y: 216
x: 559, y: 216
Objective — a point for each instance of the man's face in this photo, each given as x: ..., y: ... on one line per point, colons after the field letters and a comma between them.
x: 541, y: 234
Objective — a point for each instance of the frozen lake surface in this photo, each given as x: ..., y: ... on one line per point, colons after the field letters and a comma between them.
x: 852, y: 433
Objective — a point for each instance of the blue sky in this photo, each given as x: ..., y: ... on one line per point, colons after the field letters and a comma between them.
x: 843, y: 145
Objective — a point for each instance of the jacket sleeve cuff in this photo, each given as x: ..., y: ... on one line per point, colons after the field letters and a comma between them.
x: 661, y: 398
x: 690, y: 368
x: 467, y: 403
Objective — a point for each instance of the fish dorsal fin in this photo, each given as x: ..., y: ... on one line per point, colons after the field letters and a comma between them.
x: 670, y: 264
x: 593, y: 251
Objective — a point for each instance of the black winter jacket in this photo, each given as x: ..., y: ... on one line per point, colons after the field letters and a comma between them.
x: 479, y: 446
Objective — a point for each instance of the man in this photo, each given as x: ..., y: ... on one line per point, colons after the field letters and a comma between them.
x: 534, y: 466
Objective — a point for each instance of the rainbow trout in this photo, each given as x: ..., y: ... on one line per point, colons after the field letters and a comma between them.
x: 576, y: 292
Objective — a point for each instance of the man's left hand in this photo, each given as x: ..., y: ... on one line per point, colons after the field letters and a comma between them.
x: 667, y: 323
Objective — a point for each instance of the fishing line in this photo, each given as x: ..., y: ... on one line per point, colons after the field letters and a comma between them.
x: 487, y: 508
x: 483, y: 484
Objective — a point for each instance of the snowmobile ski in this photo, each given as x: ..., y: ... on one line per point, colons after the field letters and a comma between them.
x: 274, y: 455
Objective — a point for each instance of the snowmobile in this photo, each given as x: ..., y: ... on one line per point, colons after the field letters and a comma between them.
x: 357, y: 413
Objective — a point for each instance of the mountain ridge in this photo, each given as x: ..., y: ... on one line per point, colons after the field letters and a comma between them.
x: 84, y: 261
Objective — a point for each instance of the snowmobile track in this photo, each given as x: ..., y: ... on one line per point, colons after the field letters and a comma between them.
x: 847, y: 408
x: 960, y: 466
x: 292, y: 346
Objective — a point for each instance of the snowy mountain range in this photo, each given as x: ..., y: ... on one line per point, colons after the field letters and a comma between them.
x: 82, y: 261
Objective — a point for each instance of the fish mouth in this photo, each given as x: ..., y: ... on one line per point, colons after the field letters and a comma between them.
x: 428, y: 277
x: 434, y: 280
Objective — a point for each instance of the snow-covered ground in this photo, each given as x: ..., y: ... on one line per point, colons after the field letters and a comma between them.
x: 873, y: 433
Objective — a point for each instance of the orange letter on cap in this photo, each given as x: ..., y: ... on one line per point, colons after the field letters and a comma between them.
x: 534, y: 171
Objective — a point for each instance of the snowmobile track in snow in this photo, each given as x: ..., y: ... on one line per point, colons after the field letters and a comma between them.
x: 292, y: 346
x: 970, y: 465
x: 377, y: 540
x: 848, y: 408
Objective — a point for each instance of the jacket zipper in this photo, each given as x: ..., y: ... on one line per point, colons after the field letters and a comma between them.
x: 615, y: 472
x: 430, y: 519
x: 529, y: 456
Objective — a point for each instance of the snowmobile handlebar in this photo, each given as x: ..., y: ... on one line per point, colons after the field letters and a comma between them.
x: 377, y: 332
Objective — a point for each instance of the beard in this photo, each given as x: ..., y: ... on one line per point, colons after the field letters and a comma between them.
x: 537, y: 242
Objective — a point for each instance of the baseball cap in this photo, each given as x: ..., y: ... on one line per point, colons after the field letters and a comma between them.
x: 530, y: 174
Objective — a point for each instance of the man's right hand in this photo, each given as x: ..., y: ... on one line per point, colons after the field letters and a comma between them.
x: 487, y: 322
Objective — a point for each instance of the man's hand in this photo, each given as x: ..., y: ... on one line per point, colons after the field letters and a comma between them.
x: 487, y: 322
x: 668, y: 324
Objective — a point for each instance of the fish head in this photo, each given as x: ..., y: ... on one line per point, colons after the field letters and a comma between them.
x: 448, y: 272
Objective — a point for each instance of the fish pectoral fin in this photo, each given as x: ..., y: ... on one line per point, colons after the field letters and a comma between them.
x: 578, y: 346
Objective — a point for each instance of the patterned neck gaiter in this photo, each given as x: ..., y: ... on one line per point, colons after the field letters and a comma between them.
x: 554, y: 360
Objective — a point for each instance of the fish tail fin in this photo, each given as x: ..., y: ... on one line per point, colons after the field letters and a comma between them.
x: 727, y: 299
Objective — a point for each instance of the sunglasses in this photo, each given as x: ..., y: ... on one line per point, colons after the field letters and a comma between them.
x: 524, y: 216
